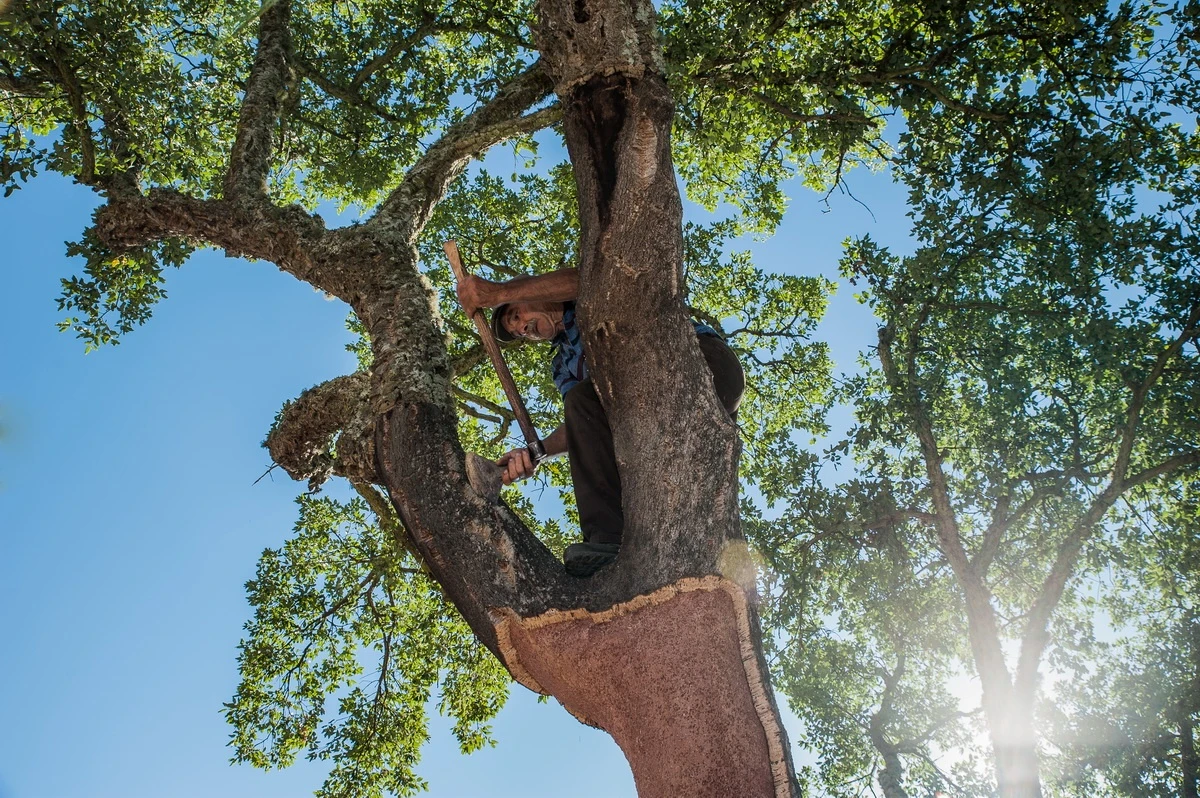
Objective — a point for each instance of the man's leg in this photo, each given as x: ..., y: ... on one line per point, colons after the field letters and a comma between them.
x: 593, y: 465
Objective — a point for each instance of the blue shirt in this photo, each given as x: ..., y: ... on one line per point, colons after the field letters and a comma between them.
x: 569, y: 366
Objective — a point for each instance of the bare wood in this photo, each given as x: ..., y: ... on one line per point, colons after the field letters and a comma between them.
x: 493, y: 350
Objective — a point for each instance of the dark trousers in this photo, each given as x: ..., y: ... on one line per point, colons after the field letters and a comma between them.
x: 590, y: 444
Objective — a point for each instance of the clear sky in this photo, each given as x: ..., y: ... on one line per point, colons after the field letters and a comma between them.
x: 129, y: 517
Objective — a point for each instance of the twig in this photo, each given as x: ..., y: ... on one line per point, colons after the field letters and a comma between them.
x: 268, y: 471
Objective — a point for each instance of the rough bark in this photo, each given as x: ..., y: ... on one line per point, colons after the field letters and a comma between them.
x: 303, y: 439
x: 250, y: 161
x: 406, y: 210
x: 693, y: 711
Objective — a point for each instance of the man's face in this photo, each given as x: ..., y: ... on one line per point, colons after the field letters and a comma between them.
x: 533, y: 321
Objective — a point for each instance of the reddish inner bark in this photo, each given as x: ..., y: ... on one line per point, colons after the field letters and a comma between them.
x: 637, y: 671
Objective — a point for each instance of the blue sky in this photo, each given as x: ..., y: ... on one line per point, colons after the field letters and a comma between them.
x: 129, y: 517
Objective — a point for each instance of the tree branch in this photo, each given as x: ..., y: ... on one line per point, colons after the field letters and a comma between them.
x: 893, y: 770
x: 407, y: 209
x: 347, y: 95
x: 388, y: 520
x: 25, y: 86
x: 1138, y: 400
x: 902, y: 514
x: 794, y: 116
x: 396, y: 48
x: 55, y: 61
x: 289, y: 237
x: 1003, y: 520
x: 250, y: 160
x: 956, y: 105
x: 1166, y: 467
x: 303, y: 437
x: 468, y: 360
x: 503, y: 412
x: 984, y: 634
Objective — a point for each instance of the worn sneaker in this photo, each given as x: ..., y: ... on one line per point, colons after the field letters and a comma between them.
x: 585, y: 559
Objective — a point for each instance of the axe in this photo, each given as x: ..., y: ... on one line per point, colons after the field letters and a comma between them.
x: 537, y: 451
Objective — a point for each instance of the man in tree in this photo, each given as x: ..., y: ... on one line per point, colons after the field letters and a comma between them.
x: 542, y: 308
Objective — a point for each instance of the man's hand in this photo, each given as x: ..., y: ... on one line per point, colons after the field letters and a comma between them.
x: 475, y: 293
x: 517, y: 464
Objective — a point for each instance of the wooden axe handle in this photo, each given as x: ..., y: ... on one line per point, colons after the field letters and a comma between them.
x: 493, y: 349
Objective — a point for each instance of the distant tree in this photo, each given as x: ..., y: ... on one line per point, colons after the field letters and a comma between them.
x: 1036, y: 368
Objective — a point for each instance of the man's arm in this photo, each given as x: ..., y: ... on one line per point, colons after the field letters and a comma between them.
x: 557, y: 286
x: 517, y: 464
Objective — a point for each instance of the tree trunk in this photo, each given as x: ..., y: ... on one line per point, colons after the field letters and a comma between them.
x: 662, y: 649
x: 1189, y: 763
x: 1015, y: 750
x: 1017, y: 772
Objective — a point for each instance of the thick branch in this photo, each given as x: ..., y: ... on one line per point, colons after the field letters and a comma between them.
x: 25, y: 86
x: 890, y: 779
x: 1003, y: 520
x: 1167, y: 466
x: 993, y: 536
x: 288, y: 237
x: 1036, y: 636
x: 1140, y: 394
x: 302, y: 439
x: 250, y: 160
x: 984, y: 634
x: 407, y: 209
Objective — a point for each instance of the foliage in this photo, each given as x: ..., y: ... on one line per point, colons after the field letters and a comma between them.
x: 121, y: 286
x: 871, y: 639
x: 332, y: 593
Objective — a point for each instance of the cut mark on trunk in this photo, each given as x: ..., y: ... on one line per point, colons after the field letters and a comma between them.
x: 554, y: 641
x: 603, y: 107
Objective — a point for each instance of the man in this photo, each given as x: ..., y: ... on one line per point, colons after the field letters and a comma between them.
x: 542, y: 308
